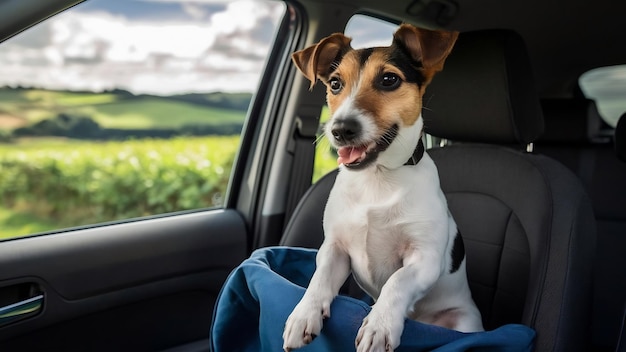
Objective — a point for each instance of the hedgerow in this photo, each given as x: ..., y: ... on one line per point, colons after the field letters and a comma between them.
x: 77, y: 183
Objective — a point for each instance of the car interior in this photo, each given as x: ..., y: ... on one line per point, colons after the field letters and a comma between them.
x: 532, y: 172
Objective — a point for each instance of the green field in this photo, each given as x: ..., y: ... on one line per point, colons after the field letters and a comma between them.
x: 159, y: 113
x: 49, y: 183
x: 118, y: 110
x: 53, y: 183
x: 18, y: 223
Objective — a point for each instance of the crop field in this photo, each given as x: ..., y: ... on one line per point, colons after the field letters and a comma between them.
x: 50, y: 183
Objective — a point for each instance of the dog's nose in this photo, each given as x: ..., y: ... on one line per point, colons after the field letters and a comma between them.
x: 346, y: 130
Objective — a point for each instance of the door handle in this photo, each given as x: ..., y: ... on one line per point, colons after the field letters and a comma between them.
x: 21, y: 309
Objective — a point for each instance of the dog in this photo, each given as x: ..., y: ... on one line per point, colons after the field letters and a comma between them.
x: 386, y: 219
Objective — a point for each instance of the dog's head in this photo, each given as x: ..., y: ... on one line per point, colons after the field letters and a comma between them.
x: 375, y: 94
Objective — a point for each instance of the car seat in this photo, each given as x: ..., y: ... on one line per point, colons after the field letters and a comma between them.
x: 575, y: 136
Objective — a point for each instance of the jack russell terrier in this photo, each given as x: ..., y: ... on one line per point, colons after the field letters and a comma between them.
x: 386, y: 218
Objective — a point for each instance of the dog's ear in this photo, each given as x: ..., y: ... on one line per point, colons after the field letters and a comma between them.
x: 428, y: 47
x: 316, y: 60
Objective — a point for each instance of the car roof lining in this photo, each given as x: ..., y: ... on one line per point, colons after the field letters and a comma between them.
x: 30, y: 13
x: 561, y: 48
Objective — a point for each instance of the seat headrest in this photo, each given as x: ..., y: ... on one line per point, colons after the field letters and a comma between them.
x: 485, y: 92
x: 620, y: 138
x: 570, y: 120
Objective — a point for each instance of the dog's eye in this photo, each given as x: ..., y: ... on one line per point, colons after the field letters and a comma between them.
x: 335, y: 85
x: 389, y: 81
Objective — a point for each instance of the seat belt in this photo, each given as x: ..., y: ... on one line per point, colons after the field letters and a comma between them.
x: 302, y: 147
x: 621, y: 340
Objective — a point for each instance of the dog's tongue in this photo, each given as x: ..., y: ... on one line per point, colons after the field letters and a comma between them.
x: 348, y: 155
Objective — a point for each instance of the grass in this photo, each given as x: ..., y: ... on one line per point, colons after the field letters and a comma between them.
x: 62, y: 98
x: 325, y: 161
x: 325, y: 156
x: 19, y: 223
x: 160, y: 113
x: 113, y: 110
x: 80, y: 161
x: 53, y: 183
x: 25, y: 144
x: 50, y: 183
x: 136, y: 162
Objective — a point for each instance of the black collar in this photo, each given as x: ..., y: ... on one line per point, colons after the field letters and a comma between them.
x: 417, y: 154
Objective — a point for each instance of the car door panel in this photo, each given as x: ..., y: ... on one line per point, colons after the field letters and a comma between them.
x: 142, y: 285
x: 148, y: 284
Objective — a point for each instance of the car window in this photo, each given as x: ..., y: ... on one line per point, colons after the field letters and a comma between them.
x: 117, y: 109
x: 607, y: 86
x: 365, y: 31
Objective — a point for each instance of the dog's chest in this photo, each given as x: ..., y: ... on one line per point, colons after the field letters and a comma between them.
x: 370, y: 222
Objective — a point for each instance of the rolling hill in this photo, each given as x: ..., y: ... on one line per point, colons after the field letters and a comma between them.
x: 119, y: 109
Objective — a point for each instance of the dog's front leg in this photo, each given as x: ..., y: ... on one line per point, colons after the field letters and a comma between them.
x: 382, y: 328
x: 305, y: 322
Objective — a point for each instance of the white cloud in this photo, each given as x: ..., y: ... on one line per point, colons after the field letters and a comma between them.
x: 100, y: 50
x: 192, y: 1
x: 240, y: 15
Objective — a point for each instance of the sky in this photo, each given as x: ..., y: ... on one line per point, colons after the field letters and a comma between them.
x: 145, y: 46
x: 154, y: 46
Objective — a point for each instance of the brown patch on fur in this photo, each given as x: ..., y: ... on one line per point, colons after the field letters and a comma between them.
x: 427, y: 49
x: 404, y: 103
x: 400, y: 106
x: 348, y: 73
x: 316, y: 61
x: 431, y: 48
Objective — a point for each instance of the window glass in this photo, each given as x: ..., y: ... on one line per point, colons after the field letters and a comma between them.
x: 365, y: 31
x: 123, y: 108
x: 607, y: 86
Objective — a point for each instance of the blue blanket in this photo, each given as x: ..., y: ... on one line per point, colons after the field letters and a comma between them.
x: 260, y: 294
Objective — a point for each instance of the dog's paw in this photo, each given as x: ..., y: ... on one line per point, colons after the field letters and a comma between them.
x: 379, y: 333
x: 304, y: 324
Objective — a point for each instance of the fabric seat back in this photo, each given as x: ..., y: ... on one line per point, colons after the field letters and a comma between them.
x: 527, y: 224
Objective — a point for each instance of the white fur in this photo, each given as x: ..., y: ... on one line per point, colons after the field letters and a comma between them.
x: 389, y: 224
